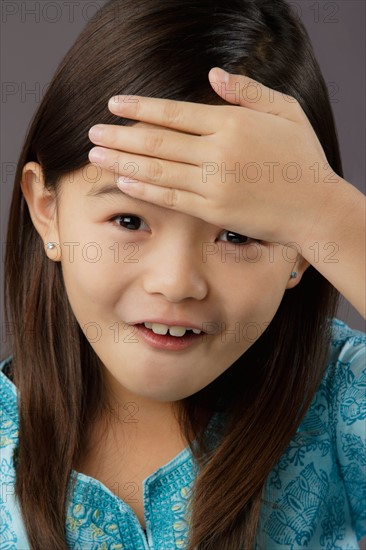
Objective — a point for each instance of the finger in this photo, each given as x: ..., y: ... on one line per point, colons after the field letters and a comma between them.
x: 192, y: 118
x: 167, y: 197
x: 148, y: 169
x: 163, y: 144
x: 247, y: 92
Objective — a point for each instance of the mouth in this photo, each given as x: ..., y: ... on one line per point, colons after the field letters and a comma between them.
x: 174, y: 330
x: 174, y: 338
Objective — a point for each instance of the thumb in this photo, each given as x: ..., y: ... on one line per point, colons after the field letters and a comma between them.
x: 247, y: 92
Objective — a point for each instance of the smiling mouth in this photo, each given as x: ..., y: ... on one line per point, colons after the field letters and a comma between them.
x: 175, y: 331
x: 166, y: 341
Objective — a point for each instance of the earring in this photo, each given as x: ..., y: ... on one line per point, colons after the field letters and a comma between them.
x: 293, y: 275
x: 50, y: 245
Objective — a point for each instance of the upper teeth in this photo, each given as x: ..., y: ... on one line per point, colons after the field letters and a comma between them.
x: 173, y: 331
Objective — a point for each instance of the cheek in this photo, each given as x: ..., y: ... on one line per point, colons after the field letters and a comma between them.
x: 254, y: 295
x: 254, y: 310
x: 87, y: 256
x: 249, y: 311
x: 94, y: 278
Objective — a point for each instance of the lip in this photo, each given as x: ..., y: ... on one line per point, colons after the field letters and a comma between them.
x: 167, y: 342
x: 171, y: 323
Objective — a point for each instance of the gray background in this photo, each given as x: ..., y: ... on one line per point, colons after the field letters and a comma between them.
x: 36, y: 35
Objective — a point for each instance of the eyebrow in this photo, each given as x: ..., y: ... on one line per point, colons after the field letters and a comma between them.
x: 110, y: 190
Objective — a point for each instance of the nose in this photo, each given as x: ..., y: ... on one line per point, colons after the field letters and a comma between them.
x: 176, y: 272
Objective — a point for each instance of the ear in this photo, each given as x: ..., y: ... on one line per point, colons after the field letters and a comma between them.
x: 42, y: 207
x: 299, y: 268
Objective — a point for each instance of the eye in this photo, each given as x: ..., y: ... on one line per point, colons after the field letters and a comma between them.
x: 237, y: 238
x: 130, y: 222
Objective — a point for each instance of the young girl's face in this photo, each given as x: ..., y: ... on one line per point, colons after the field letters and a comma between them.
x: 126, y: 261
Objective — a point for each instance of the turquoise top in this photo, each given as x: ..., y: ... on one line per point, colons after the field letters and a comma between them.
x: 319, y: 484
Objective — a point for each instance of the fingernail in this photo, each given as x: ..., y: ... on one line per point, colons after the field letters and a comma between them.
x: 221, y: 74
x: 115, y: 100
x: 96, y: 132
x: 118, y: 101
x: 96, y: 154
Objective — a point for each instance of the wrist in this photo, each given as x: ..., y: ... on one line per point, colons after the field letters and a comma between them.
x: 337, y: 219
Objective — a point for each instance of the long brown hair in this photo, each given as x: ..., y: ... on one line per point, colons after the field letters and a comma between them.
x: 163, y: 49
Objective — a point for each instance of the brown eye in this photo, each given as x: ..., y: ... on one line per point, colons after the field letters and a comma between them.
x: 129, y: 221
x: 236, y: 238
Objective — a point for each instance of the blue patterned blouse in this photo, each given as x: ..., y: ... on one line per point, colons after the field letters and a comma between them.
x: 319, y: 483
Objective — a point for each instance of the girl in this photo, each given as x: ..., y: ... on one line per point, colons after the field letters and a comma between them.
x: 177, y: 377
